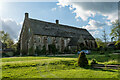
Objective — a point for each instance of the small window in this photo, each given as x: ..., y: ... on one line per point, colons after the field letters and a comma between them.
x: 29, y: 30
x: 39, y: 39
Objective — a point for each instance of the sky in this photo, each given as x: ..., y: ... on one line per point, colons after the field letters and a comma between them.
x: 93, y: 16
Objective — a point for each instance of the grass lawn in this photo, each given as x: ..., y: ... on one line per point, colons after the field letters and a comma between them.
x: 57, y: 67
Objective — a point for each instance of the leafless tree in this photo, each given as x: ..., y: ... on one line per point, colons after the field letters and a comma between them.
x: 104, y: 36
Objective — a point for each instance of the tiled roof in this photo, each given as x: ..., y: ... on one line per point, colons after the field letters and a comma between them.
x: 52, y: 29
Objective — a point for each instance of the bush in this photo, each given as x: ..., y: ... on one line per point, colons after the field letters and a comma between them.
x: 52, y: 49
x: 37, y: 51
x: 82, y: 60
x: 66, y: 50
x: 93, y: 61
x: 105, y: 48
x: 101, y: 53
x: 30, y: 51
x: 107, y: 55
x: 5, y: 55
x: 117, y: 44
x: 43, y: 51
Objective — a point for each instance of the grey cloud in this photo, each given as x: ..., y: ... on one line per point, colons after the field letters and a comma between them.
x: 84, y: 10
x: 99, y: 24
x: 12, y: 28
x: 103, y: 7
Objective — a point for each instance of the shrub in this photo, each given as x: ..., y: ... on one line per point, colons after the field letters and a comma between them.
x: 75, y: 64
x: 5, y: 55
x: 52, y: 49
x: 37, y: 51
x: 66, y: 50
x: 31, y: 50
x: 82, y: 60
x: 43, y: 51
x: 105, y: 48
x: 117, y: 44
x: 22, y: 51
x: 107, y: 55
x: 93, y: 61
x: 102, y: 53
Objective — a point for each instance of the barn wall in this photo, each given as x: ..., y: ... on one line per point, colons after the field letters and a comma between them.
x: 59, y: 42
x: 26, y: 40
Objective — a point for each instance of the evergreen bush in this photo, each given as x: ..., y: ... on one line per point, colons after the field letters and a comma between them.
x: 82, y: 60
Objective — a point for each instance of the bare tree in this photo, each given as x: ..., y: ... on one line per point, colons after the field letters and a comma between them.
x: 104, y: 36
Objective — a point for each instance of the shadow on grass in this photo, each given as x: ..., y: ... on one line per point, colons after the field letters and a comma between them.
x: 98, y: 69
x: 98, y: 57
x: 73, y: 56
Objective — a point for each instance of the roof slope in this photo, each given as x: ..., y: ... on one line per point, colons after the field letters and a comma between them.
x: 51, y: 29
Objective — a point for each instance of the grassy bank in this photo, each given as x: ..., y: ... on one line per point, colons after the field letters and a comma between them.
x: 57, y: 67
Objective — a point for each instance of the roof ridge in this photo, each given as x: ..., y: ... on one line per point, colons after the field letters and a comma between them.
x: 57, y: 24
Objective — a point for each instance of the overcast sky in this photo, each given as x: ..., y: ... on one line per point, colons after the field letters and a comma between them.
x: 93, y: 16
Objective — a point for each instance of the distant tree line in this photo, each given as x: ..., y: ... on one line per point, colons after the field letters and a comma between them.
x: 115, y: 36
x: 8, y: 43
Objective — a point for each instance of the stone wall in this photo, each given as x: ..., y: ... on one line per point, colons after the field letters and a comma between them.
x: 23, y: 40
x: 59, y: 42
x: 26, y: 40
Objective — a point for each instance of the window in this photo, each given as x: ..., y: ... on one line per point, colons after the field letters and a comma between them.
x: 29, y: 30
x: 49, y: 40
x: 39, y: 39
x: 65, y: 42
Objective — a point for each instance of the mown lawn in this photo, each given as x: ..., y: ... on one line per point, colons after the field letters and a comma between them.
x: 57, y: 67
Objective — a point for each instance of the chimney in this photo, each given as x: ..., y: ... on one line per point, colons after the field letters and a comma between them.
x: 26, y: 15
x: 57, y: 21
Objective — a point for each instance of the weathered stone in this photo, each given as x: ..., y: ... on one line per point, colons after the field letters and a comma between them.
x: 36, y: 33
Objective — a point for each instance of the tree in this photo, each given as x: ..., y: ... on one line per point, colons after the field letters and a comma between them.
x: 9, y: 43
x: 104, y: 36
x: 99, y: 42
x: 4, y: 36
x: 6, y: 40
x: 115, y: 31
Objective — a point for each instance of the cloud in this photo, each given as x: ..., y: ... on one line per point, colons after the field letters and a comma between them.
x: 94, y: 26
x: 94, y: 32
x: 108, y: 23
x: 11, y: 27
x: 84, y: 10
x: 53, y: 9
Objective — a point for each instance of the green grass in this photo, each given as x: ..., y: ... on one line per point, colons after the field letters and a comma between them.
x: 22, y: 59
x: 42, y: 72
x: 53, y: 68
x: 57, y: 67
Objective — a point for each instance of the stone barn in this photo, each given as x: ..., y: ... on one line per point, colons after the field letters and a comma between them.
x: 39, y: 34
